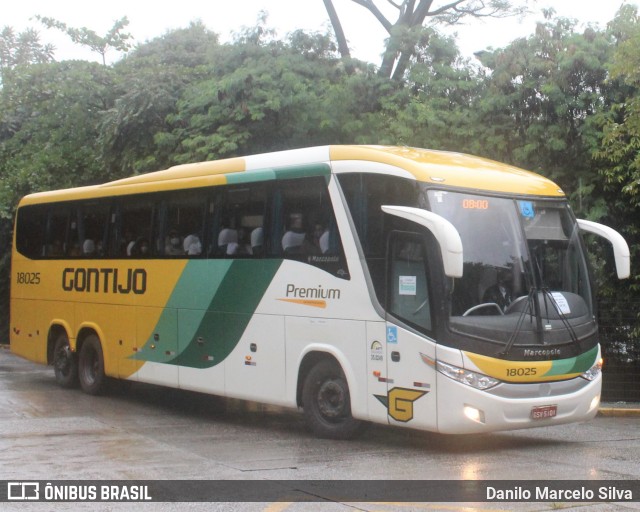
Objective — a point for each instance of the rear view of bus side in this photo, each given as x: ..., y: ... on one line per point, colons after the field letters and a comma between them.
x: 418, y: 288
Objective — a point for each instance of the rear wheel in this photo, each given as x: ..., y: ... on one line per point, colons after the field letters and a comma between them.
x: 91, y: 366
x: 327, y: 404
x: 65, y: 363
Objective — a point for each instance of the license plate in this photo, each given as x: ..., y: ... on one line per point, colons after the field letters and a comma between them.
x: 543, y: 412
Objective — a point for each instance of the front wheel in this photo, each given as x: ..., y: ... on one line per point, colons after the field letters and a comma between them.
x: 91, y: 366
x: 327, y: 404
x: 65, y: 363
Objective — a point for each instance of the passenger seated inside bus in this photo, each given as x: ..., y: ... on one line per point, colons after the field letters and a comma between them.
x: 173, y: 244
x: 141, y: 248
x: 227, y: 241
x: 243, y: 246
x: 294, y: 240
x: 192, y: 245
x: 88, y: 248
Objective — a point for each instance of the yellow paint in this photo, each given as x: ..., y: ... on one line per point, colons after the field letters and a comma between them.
x: 453, y: 169
x: 181, y: 172
x: 516, y: 371
x: 122, y: 321
x: 401, y: 403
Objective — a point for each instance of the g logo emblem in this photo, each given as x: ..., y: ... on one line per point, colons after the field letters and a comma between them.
x: 399, y: 402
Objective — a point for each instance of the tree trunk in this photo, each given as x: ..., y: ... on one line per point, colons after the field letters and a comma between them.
x: 343, y: 47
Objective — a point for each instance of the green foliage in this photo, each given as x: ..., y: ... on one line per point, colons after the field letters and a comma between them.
x: 48, y: 127
x: 258, y: 95
x: 542, y: 95
x: 621, y: 125
x: 150, y: 83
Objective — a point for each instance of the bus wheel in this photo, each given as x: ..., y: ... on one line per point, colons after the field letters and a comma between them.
x: 65, y: 363
x: 326, y: 402
x: 91, y: 366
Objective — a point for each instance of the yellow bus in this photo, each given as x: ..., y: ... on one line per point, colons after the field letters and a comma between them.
x: 425, y: 289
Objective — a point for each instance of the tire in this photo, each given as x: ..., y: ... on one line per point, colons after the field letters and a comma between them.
x: 91, y: 366
x: 65, y: 363
x: 327, y: 404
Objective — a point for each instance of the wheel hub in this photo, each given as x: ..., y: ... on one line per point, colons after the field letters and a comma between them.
x: 331, y: 399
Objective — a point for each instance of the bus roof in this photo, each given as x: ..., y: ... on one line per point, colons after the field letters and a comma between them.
x: 430, y: 166
x: 453, y: 169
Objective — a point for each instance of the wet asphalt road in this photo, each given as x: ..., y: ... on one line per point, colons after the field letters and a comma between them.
x: 142, y: 432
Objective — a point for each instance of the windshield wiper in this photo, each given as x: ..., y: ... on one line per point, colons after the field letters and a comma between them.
x: 516, y: 331
x: 532, y: 297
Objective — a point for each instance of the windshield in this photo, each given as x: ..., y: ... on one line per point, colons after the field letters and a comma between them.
x: 525, y: 279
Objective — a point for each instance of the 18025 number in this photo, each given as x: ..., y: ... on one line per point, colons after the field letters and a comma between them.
x: 521, y: 372
x: 28, y: 277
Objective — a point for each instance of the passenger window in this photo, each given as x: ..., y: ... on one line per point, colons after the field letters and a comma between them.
x: 408, y: 287
x: 183, y: 225
x: 304, y: 226
x: 136, y: 238
x: 365, y: 194
x: 31, y: 226
x: 58, y: 232
x: 89, y: 229
x: 239, y: 227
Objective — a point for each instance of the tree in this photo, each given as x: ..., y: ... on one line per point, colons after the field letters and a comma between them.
x: 619, y: 153
x: 258, y: 94
x: 151, y: 81
x: 406, y: 31
x: 49, y: 114
x: 21, y: 50
x: 115, y: 39
x: 436, y: 108
x: 621, y: 142
x: 538, y: 112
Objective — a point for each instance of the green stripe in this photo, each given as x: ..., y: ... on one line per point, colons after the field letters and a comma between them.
x: 279, y: 173
x: 209, y: 311
x: 578, y: 364
x: 229, y: 313
x: 196, y: 285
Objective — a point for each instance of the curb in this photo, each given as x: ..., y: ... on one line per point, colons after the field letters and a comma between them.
x: 619, y: 412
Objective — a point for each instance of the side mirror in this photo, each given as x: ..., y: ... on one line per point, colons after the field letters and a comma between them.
x: 445, y: 233
x: 620, y: 247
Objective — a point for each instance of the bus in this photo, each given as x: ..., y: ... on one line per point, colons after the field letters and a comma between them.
x: 396, y: 285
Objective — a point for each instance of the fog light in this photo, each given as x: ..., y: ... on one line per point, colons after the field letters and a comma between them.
x: 594, y: 403
x: 474, y: 414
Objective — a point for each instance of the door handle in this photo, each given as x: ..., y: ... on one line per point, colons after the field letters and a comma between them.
x: 395, y: 356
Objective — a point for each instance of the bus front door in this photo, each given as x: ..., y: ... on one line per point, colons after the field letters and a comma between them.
x: 410, y: 377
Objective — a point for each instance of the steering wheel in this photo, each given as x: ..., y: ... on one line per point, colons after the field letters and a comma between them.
x: 512, y: 306
x: 483, y: 306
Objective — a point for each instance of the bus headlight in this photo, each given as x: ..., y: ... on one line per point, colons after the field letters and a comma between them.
x: 593, y: 372
x: 473, y: 379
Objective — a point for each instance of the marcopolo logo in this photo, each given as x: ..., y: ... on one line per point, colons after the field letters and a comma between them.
x: 316, y: 297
